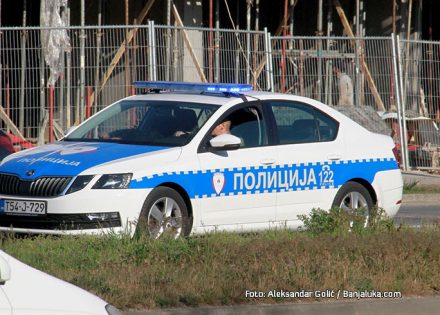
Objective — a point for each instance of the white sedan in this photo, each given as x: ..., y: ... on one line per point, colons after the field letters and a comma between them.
x: 152, y: 163
x: 28, y: 291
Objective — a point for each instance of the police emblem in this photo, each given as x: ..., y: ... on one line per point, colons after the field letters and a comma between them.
x: 218, y: 182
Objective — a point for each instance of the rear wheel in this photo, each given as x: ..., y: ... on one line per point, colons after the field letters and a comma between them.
x: 164, y: 213
x: 354, y: 199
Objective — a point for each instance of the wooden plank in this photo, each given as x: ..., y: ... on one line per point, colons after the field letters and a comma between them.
x: 117, y: 57
x: 369, y: 77
x: 188, y: 45
x: 10, y: 123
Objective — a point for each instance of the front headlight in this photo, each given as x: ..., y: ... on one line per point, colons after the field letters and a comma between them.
x: 79, y: 183
x: 113, y: 181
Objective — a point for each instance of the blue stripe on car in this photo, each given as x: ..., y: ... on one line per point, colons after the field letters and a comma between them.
x: 263, y: 179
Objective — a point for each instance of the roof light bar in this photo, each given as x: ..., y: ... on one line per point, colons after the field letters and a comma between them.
x: 198, y: 87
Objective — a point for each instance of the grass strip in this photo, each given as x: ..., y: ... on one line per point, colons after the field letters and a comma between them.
x: 218, y: 268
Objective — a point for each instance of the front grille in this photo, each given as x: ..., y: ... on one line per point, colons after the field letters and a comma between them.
x: 12, y: 185
x: 78, y: 221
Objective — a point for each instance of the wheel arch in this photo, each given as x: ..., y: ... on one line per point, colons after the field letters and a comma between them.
x: 182, y: 193
x: 367, y: 186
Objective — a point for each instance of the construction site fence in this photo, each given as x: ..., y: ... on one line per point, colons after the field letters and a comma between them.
x: 393, y: 77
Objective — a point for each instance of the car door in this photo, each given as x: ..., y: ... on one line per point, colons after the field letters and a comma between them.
x: 237, y: 193
x: 307, y: 147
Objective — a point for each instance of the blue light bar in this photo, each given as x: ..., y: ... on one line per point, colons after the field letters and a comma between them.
x: 198, y: 87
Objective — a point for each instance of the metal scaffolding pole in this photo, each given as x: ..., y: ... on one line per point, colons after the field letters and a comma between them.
x: 248, y: 41
x: 168, y: 45
x: 217, y: 42
x: 329, y: 63
x: 68, y: 77
x: 98, y: 57
x: 319, y: 51
x: 82, y: 64
x: 23, y: 72
x: 1, y: 65
x: 127, y: 50
x: 357, y: 56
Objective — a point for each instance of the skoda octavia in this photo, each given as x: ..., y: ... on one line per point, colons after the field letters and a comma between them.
x: 154, y: 163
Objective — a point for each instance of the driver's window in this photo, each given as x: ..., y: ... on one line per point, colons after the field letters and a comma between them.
x: 247, y: 124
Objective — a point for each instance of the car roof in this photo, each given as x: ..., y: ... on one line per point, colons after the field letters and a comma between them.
x: 212, y: 98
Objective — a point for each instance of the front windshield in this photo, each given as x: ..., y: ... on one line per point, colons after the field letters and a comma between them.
x: 163, y: 123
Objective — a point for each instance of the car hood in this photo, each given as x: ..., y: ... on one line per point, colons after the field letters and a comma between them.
x: 69, y: 158
x: 32, y: 291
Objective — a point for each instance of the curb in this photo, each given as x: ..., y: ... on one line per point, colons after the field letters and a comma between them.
x: 403, y: 306
x: 421, y: 178
x: 423, y: 198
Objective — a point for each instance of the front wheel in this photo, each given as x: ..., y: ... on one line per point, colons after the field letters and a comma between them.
x: 353, y: 197
x: 164, y: 213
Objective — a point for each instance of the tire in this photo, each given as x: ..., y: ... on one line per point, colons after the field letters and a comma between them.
x: 156, y: 221
x: 353, y: 196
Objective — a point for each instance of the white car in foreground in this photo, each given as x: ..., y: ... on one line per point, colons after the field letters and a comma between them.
x: 28, y: 291
x: 150, y: 162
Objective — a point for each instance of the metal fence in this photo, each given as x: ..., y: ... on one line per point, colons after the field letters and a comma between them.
x: 386, y: 75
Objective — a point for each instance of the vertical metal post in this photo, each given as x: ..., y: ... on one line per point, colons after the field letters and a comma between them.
x: 237, y: 60
x: 408, y: 85
x: 319, y: 52
x: 248, y: 42
x: 23, y: 72
x: 82, y: 64
x: 217, y: 42
x: 266, y: 52
x: 68, y: 77
x: 292, y: 18
x: 98, y: 58
x: 283, y: 49
x: 257, y: 15
x: 1, y: 65
x: 127, y: 51
x: 42, y: 93
x: 168, y: 41
x: 357, y: 57
x: 329, y: 63
x: 397, y: 62
x: 152, y: 51
x: 61, y: 94
x: 269, y: 64
x: 394, y: 17
x: 51, y: 96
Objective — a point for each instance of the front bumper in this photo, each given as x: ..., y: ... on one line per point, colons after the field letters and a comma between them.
x: 83, y: 212
x: 71, y: 221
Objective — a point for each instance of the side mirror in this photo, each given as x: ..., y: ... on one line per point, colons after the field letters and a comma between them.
x: 5, y: 271
x: 225, y: 142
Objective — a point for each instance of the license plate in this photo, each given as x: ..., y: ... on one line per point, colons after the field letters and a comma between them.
x: 25, y: 207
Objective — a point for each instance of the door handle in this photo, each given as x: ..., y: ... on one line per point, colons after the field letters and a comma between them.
x: 267, y: 161
x: 334, y: 157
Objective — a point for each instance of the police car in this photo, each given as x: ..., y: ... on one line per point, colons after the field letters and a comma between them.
x: 150, y: 163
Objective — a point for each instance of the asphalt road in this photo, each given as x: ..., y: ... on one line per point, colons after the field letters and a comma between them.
x: 418, y: 210
x: 418, y: 215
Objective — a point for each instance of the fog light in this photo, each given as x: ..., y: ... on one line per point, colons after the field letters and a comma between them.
x: 102, y: 216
